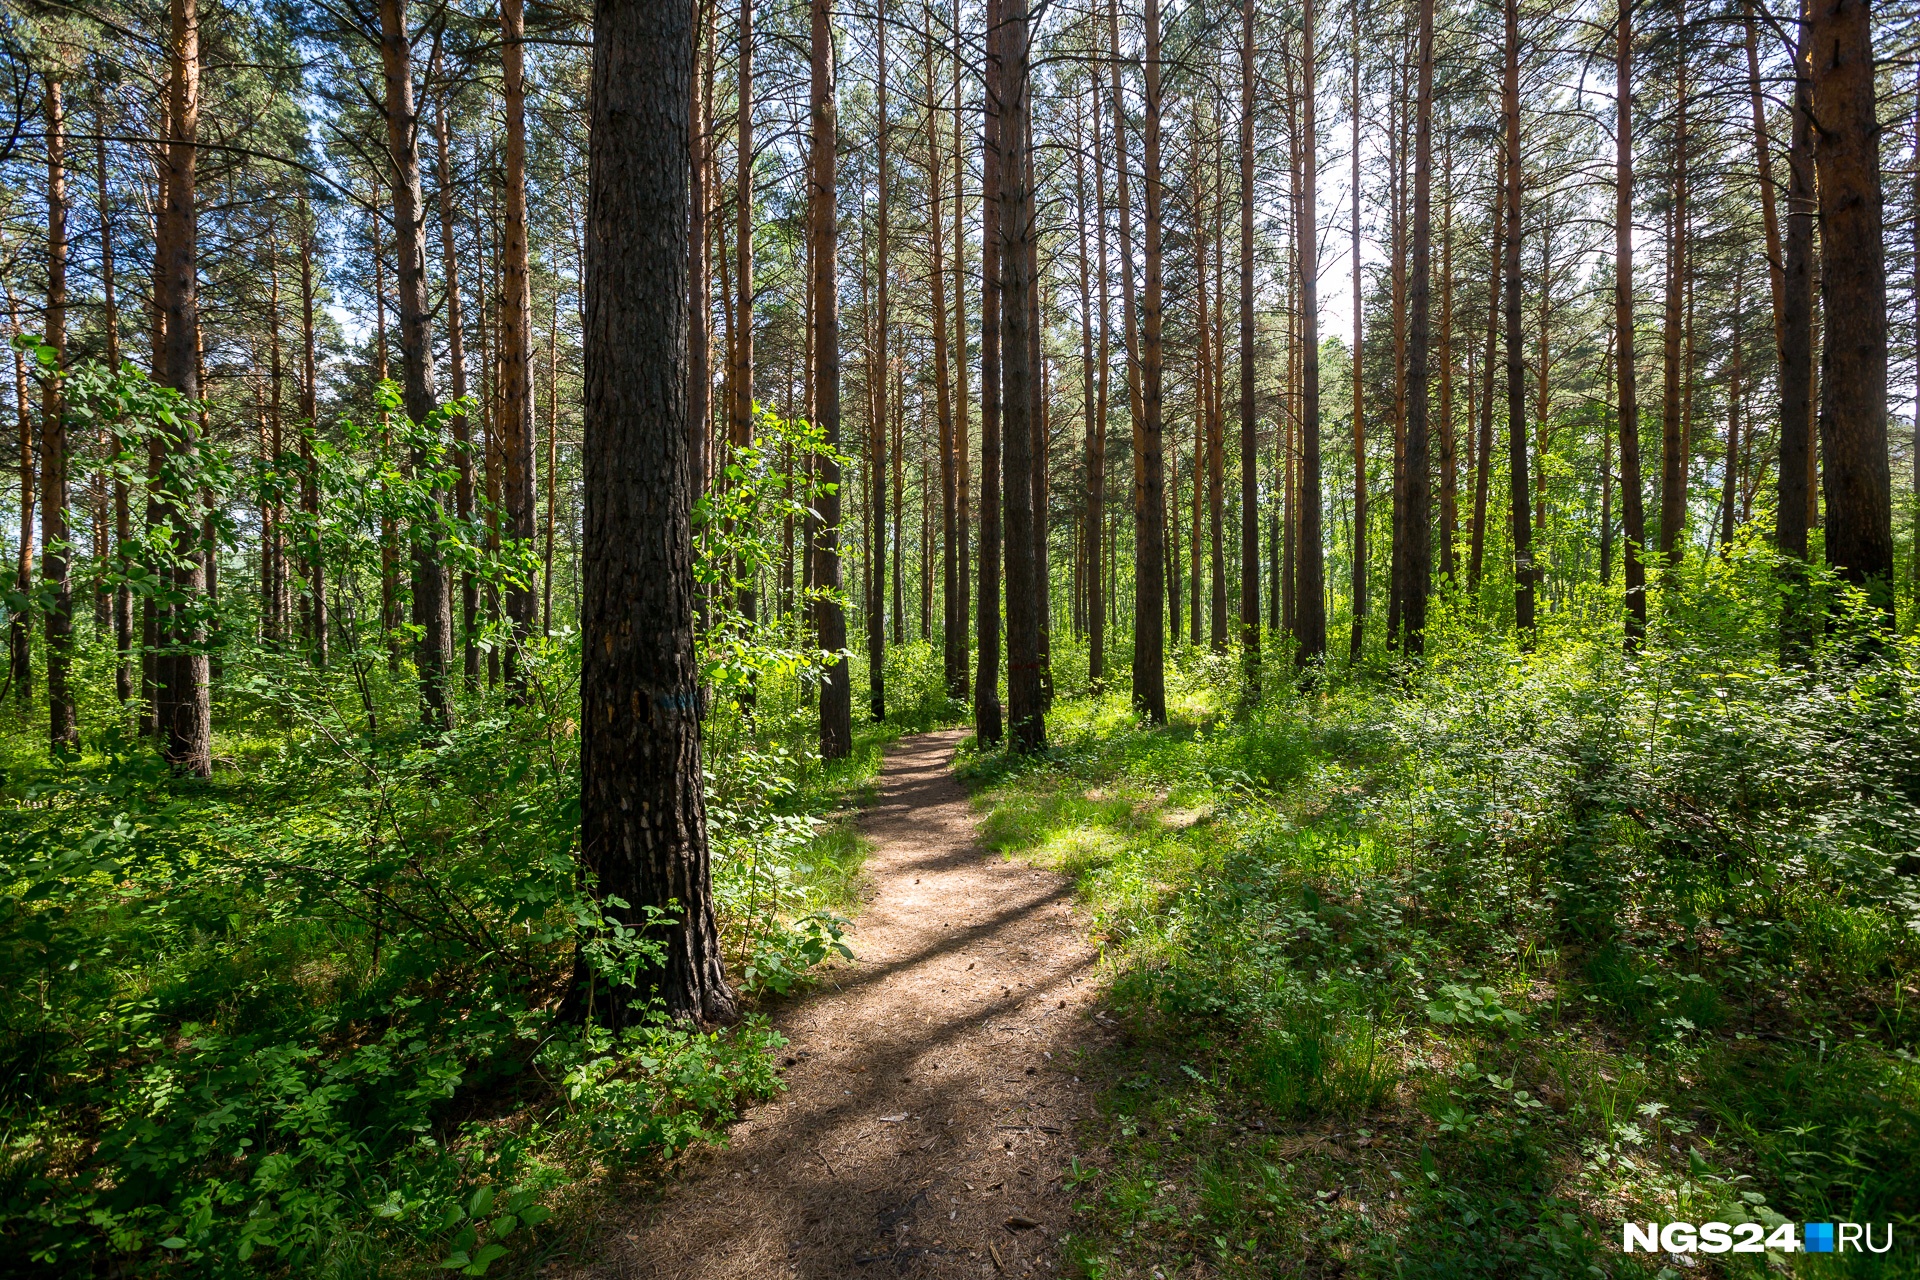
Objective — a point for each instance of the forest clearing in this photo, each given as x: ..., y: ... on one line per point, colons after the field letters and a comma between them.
x: 1128, y: 639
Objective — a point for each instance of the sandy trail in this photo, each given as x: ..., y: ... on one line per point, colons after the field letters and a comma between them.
x: 931, y: 1105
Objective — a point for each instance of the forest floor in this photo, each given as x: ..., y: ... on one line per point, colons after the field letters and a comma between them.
x: 931, y: 1102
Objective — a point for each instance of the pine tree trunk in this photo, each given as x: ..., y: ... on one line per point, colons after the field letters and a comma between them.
x: 1025, y: 712
x: 1358, y: 636
x: 1419, y: 357
x: 1673, y: 445
x: 1483, y: 452
x: 183, y: 700
x: 20, y: 626
x: 63, y: 733
x: 431, y: 608
x: 1310, y: 594
x: 1632, y: 511
x: 643, y: 820
x: 1855, y: 480
x: 953, y: 649
x: 1516, y: 360
x: 836, y: 690
x: 314, y: 559
x: 516, y: 342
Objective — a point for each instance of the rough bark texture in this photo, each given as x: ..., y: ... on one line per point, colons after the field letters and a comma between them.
x: 1677, y: 374
x: 643, y: 824
x: 952, y: 634
x: 63, y: 733
x: 986, y: 692
x: 462, y: 428
x: 1025, y: 713
x: 182, y: 697
x: 1855, y: 478
x: 1516, y: 361
x: 1358, y: 636
x: 1249, y: 411
x: 836, y: 686
x: 516, y: 336
x: 1149, y: 521
x: 432, y: 610
x: 1793, y: 510
x: 311, y: 557
x: 1633, y: 516
x: 1419, y: 561
x: 1310, y: 594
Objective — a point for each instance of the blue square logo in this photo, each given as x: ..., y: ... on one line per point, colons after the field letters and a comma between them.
x: 1818, y: 1237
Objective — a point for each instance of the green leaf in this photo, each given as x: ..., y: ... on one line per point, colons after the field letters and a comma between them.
x: 455, y: 1261
x: 504, y: 1224
x: 486, y: 1258
x: 481, y: 1203
x: 173, y: 1242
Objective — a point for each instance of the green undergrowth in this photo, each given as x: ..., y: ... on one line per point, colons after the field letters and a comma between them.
x: 303, y: 1019
x: 1450, y: 972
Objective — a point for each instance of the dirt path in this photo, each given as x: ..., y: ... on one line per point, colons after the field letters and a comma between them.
x: 931, y: 1102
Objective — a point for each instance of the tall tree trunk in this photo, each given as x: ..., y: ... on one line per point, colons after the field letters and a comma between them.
x: 953, y: 648
x: 1449, y: 458
x: 1856, y: 481
x: 20, y: 626
x: 1419, y: 521
x: 1249, y: 411
x: 516, y: 341
x: 878, y: 365
x: 1358, y: 636
x: 1086, y: 544
x: 63, y: 734
x: 122, y: 603
x: 963, y: 465
x: 183, y: 697
x: 1730, y: 469
x: 836, y: 689
x: 740, y: 377
x: 1763, y: 165
x: 1633, y: 518
x: 431, y: 608
x: 1025, y: 710
x: 1516, y: 360
x: 314, y: 560
x: 643, y: 820
x: 1673, y: 433
x: 1793, y: 510
x: 457, y: 374
x: 1310, y: 593
x: 700, y: 272
x: 1483, y: 453
x: 986, y: 693
x: 1149, y: 653
x: 1098, y: 564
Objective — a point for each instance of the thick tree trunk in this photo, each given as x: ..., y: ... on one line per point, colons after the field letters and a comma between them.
x: 1025, y: 711
x: 643, y: 820
x: 1086, y: 545
x: 1794, y: 509
x: 1856, y: 481
x: 986, y: 692
x: 1419, y: 357
x: 516, y: 341
x: 1516, y: 360
x: 1633, y: 518
x: 836, y: 689
x: 699, y: 274
x: 1098, y: 564
x: 63, y: 733
x: 432, y: 610
x: 183, y: 700
x: 740, y: 377
x: 1763, y: 165
x: 122, y: 601
x: 1149, y: 634
x: 1449, y: 457
x: 1730, y: 468
x: 963, y: 465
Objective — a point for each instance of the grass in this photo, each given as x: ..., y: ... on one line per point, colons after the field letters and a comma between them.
x: 1453, y: 979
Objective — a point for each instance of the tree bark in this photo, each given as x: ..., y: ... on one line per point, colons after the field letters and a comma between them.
x: 1673, y: 434
x: 1358, y: 635
x: 1249, y: 411
x: 516, y: 345
x: 1149, y: 626
x: 1025, y: 712
x: 431, y: 608
x: 1483, y: 453
x: 1449, y: 458
x: 836, y: 689
x: 643, y: 821
x: 986, y: 693
x: 457, y: 374
x: 1794, y: 509
x: 1310, y: 595
x: 314, y: 560
x: 1632, y: 510
x: 63, y: 733
x: 183, y: 701
x: 1516, y: 360
x: 1730, y: 468
x: 1419, y: 357
x: 1855, y: 479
